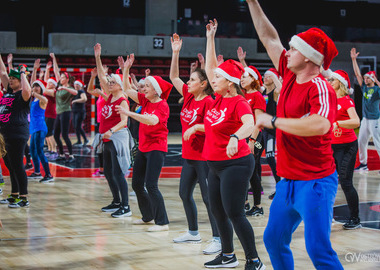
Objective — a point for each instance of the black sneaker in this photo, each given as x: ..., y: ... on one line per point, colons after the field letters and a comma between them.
x: 111, y: 208
x: 254, y: 265
x: 77, y: 144
x: 35, y: 176
x: 28, y: 166
x: 221, y: 261
x: 85, y: 142
x: 361, y: 167
x: 60, y: 158
x: 255, y: 211
x: 271, y: 196
x: 247, y: 206
x: 10, y: 199
x: 70, y: 159
x: 123, y: 211
x: 47, y: 179
x: 352, y: 224
x: 20, y: 202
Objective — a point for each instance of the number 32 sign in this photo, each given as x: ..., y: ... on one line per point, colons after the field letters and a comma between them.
x: 158, y: 43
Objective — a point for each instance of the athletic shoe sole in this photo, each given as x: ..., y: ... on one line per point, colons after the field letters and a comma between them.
x: 187, y: 241
x: 353, y: 228
x: 228, y: 265
x: 110, y: 210
x: 123, y: 215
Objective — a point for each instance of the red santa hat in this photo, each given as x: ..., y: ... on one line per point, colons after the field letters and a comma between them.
x: 161, y: 86
x: 315, y: 45
x: 53, y: 81
x: 371, y: 75
x: 41, y: 84
x: 342, y: 76
x: 79, y: 82
x: 119, y: 79
x: 255, y: 73
x: 273, y: 72
x: 231, y: 70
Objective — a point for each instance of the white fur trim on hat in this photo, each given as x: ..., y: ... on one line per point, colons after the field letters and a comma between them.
x: 78, y: 83
x: 52, y: 81
x: 252, y: 72
x: 308, y: 51
x: 118, y: 80
x: 40, y: 84
x: 369, y: 76
x: 340, y: 78
x: 155, y: 84
x: 227, y: 76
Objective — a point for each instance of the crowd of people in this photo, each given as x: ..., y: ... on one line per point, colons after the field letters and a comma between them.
x: 230, y: 115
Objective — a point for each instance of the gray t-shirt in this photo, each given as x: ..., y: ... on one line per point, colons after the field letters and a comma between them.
x: 371, y: 101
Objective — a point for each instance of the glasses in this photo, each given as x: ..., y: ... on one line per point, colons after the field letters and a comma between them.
x: 330, y: 79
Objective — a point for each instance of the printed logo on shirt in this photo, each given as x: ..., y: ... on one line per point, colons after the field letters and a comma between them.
x: 215, y: 117
x: 189, y: 115
x: 339, y: 107
x: 107, y: 111
x: 369, y: 93
x: 5, y: 106
x: 338, y: 132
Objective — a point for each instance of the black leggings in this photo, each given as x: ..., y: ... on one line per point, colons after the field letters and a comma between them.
x: 193, y: 172
x: 255, y: 180
x: 227, y: 187
x: 146, y: 171
x: 62, y: 125
x: 345, y: 157
x: 115, y: 177
x: 15, y: 164
x: 78, y: 118
x: 270, y: 150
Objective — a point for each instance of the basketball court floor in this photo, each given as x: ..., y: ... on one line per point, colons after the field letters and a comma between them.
x: 63, y: 228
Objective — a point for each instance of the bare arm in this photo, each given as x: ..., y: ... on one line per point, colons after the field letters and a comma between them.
x: 354, y: 56
x: 82, y: 99
x: 36, y: 66
x: 121, y: 124
x: 69, y: 89
x: 242, y: 133
x: 351, y: 123
x: 241, y: 55
x: 266, y: 32
x: 101, y: 73
x: 47, y: 71
x: 25, y: 86
x: 55, y: 67
x: 43, y: 100
x: 133, y: 94
x: 211, y: 60
x: 174, y: 67
x: 3, y: 73
x: 150, y: 120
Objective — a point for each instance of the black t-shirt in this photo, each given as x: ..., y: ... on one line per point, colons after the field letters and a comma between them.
x: 78, y: 107
x: 271, y: 107
x: 14, y: 115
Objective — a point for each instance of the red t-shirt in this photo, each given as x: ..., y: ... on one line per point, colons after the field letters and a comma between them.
x: 109, y: 116
x: 256, y: 101
x: 221, y: 120
x: 304, y: 158
x: 50, y: 111
x: 154, y: 137
x: 193, y: 113
x: 344, y: 135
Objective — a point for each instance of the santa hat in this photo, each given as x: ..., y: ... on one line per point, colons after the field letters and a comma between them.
x: 53, y: 81
x: 371, y: 75
x: 142, y: 81
x: 119, y: 79
x: 161, y: 86
x: 41, y: 84
x: 79, y: 82
x: 255, y: 73
x: 231, y: 70
x: 315, y: 45
x: 342, y: 76
x: 273, y: 72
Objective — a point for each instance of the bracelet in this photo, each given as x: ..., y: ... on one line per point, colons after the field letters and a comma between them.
x: 234, y: 136
x: 273, y: 121
x: 111, y: 130
x: 251, y: 139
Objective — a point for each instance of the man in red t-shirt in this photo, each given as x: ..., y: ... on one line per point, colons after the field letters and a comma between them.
x: 306, y: 110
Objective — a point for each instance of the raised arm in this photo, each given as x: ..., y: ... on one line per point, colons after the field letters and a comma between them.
x: 126, y: 66
x: 10, y: 62
x: 174, y: 67
x: 36, y: 66
x: 266, y: 32
x: 25, y: 86
x: 3, y: 73
x: 241, y: 55
x: 354, y: 56
x: 211, y: 60
x: 55, y: 67
x: 101, y: 73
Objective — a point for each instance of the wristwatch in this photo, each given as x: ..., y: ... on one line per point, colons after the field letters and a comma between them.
x: 111, y: 131
x: 273, y: 121
x: 234, y: 136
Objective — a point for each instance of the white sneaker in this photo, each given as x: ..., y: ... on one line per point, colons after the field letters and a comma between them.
x: 142, y: 222
x: 158, y: 228
x: 188, y: 238
x: 1, y: 191
x: 214, y: 247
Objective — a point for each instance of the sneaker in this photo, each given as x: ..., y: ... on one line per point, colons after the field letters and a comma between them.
x: 70, y: 159
x: 271, y: 196
x: 142, y: 222
x: 47, y: 179
x: 254, y: 265
x: 77, y: 144
x: 247, y: 206
x: 28, y: 166
x: 19, y: 203
x: 53, y: 156
x: 60, y: 158
x: 1, y: 191
x: 255, y: 211
x: 10, y: 199
x: 361, y: 167
x: 352, y: 224
x: 35, y: 175
x: 158, y: 228
x: 221, y: 261
x: 85, y: 142
x: 188, y: 238
x: 123, y: 211
x: 214, y: 247
x: 98, y: 173
x: 111, y: 207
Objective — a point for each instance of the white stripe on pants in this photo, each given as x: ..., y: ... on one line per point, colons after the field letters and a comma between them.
x: 368, y: 128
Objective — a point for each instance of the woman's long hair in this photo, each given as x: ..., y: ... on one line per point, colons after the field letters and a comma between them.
x: 3, y: 152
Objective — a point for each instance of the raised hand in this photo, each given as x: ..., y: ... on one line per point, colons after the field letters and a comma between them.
x: 211, y: 28
x: 120, y: 62
x: 220, y: 59
x: 176, y: 43
x: 37, y: 64
x: 354, y: 54
x: 52, y: 55
x: 147, y: 72
x: 49, y: 65
x: 94, y: 72
x: 241, y: 54
x: 201, y: 59
x: 10, y: 59
x: 129, y: 61
x: 97, y: 49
